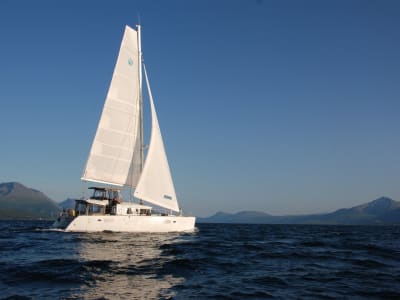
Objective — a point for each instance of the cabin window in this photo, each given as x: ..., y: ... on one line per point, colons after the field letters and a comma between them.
x: 99, y: 194
x: 145, y: 212
x: 113, y: 195
x: 81, y: 208
x: 129, y: 211
x: 96, y: 209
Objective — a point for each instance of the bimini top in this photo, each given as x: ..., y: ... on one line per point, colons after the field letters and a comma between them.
x: 104, y: 188
x: 97, y: 202
x: 93, y: 201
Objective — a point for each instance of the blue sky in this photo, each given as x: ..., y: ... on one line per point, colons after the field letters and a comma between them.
x: 287, y: 107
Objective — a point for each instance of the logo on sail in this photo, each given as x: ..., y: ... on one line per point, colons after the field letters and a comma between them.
x: 167, y: 197
x: 130, y: 61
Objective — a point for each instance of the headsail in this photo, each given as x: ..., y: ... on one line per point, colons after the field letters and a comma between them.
x: 155, y: 184
x: 114, y: 157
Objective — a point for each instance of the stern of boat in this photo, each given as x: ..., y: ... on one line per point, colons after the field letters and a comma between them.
x: 64, y: 219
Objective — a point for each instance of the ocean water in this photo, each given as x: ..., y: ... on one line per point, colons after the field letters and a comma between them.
x: 218, y: 261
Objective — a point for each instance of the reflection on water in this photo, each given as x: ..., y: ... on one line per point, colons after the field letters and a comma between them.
x: 128, y: 265
x: 38, y: 263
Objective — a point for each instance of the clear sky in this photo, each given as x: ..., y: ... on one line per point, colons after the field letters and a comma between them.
x: 287, y: 107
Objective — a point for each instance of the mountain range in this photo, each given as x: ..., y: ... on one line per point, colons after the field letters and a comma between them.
x: 380, y: 211
x: 20, y: 202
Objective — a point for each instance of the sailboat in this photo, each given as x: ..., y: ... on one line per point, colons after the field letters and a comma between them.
x: 117, y: 160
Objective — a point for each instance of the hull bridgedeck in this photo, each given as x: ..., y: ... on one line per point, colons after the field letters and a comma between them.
x: 105, y: 211
x: 154, y: 223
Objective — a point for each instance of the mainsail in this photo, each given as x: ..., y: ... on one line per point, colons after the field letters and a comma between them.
x: 155, y: 184
x: 112, y: 159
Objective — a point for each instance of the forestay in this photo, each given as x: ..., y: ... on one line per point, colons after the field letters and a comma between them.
x: 115, y: 153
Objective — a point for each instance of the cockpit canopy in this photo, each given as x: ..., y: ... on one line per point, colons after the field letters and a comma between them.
x: 100, y: 193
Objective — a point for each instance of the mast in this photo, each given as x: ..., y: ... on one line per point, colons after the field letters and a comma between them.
x: 140, y: 101
x: 140, y: 98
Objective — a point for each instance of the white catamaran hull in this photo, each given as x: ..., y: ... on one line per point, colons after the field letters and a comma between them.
x: 131, y: 223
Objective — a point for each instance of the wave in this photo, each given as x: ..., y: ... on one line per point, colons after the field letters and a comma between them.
x: 218, y: 261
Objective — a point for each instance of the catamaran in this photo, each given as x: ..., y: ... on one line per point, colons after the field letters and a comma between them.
x: 117, y: 159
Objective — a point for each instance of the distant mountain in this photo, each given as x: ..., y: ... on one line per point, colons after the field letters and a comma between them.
x: 240, y: 217
x: 20, y: 202
x: 67, y: 203
x: 380, y: 211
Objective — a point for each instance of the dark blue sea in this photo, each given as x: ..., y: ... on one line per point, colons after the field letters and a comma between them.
x: 218, y: 261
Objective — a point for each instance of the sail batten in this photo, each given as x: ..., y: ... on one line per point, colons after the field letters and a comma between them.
x: 121, y: 132
x: 112, y: 157
x: 121, y: 101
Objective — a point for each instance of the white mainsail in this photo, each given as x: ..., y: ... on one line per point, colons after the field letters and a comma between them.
x: 115, y: 155
x: 155, y: 184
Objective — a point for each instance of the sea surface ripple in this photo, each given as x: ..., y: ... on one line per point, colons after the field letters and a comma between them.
x: 218, y: 261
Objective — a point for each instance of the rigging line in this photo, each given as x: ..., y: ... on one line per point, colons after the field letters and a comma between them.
x: 140, y: 61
